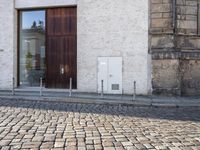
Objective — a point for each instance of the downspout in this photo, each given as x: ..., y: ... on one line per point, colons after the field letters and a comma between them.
x: 174, y: 15
x: 197, y: 18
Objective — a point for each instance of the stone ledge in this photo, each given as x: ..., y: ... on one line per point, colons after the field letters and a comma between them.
x: 176, y: 55
x: 166, y: 55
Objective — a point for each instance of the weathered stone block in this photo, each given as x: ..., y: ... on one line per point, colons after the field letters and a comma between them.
x: 156, y: 1
x: 187, y: 24
x: 188, y: 42
x: 165, y: 74
x: 156, y: 15
x: 190, y: 71
x: 162, y: 41
x: 161, y: 23
x: 161, y: 8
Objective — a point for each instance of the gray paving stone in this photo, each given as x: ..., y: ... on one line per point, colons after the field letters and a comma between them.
x: 58, y: 126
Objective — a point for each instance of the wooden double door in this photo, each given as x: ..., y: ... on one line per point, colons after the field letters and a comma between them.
x: 61, y: 47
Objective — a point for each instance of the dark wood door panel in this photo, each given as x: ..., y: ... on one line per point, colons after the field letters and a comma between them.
x: 69, y: 22
x: 54, y: 48
x: 62, y: 21
x: 54, y: 21
x: 61, y: 51
x: 70, y: 60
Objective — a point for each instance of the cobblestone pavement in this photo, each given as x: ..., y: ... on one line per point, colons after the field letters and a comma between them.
x: 43, y: 125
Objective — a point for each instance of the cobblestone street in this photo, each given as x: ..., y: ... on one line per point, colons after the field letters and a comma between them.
x: 45, y: 125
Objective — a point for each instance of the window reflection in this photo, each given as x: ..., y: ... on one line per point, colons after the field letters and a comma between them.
x: 32, y: 47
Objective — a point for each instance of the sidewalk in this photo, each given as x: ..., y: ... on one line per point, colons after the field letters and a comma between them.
x: 92, y: 98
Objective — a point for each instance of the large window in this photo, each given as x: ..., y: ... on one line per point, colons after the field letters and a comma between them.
x: 32, y: 47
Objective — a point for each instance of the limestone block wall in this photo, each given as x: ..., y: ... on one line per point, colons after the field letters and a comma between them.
x: 174, y: 32
x: 6, y: 43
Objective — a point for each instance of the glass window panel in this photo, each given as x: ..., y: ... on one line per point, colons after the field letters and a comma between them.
x: 32, y: 47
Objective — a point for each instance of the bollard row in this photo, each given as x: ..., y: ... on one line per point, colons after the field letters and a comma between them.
x: 70, y: 88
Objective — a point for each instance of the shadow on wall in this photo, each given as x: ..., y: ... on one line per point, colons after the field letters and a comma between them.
x: 178, y: 114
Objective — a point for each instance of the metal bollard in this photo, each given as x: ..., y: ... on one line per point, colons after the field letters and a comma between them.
x: 70, y: 87
x: 13, y: 86
x: 102, y: 90
x: 134, y: 88
x: 41, y: 86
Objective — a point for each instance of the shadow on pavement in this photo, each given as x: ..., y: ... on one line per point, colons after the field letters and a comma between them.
x: 178, y: 114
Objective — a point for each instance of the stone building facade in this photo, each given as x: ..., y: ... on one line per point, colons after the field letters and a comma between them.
x: 105, y: 28
x: 158, y: 42
x: 175, y: 46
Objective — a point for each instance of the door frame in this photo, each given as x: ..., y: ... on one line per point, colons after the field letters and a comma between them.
x: 18, y: 37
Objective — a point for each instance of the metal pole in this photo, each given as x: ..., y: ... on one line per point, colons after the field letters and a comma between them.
x: 102, y: 94
x: 70, y: 87
x: 13, y: 86
x: 41, y: 86
x: 134, y: 93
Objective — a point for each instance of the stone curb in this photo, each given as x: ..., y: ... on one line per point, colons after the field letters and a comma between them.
x: 136, y: 103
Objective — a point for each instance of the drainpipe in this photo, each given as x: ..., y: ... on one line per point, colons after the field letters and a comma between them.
x: 174, y: 24
x: 174, y: 15
x: 197, y: 19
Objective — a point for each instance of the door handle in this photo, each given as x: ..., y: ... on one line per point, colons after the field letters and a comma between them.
x: 62, y: 70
